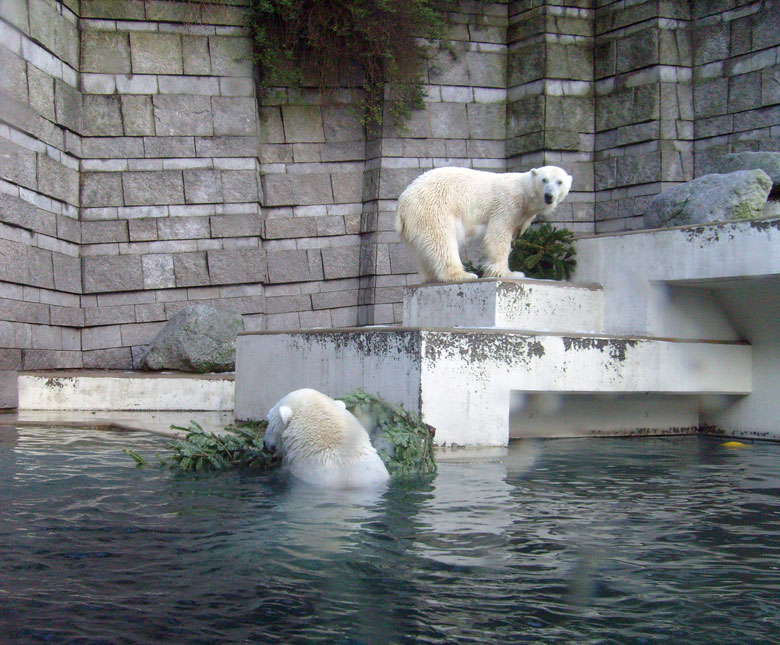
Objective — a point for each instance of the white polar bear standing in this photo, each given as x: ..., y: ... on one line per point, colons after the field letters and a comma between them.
x: 444, y: 207
x: 322, y: 443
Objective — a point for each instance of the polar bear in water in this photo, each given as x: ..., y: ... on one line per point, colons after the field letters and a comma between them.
x: 322, y: 443
x: 444, y: 207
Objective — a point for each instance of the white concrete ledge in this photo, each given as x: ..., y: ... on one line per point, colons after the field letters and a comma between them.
x: 107, y: 390
x: 528, y: 305
x: 461, y: 380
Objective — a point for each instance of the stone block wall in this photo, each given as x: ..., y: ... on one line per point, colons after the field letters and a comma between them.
x: 140, y: 170
x: 170, y: 191
x: 736, y: 79
x: 644, y: 111
x: 40, y: 231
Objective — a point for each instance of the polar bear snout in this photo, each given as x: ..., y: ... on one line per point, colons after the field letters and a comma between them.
x: 269, y: 446
x: 549, y: 198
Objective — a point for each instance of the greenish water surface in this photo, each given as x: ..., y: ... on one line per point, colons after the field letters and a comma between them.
x: 566, y: 541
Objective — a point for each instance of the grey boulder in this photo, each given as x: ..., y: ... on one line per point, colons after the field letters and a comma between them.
x: 769, y: 162
x: 197, y: 339
x: 711, y: 198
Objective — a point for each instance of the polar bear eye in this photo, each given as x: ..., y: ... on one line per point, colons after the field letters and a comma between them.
x: 559, y: 182
x: 544, y: 180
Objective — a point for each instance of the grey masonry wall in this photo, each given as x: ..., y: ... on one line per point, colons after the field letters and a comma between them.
x: 140, y: 171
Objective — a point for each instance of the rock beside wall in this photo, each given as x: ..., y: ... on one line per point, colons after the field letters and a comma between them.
x: 711, y: 198
x: 769, y: 162
x: 197, y: 339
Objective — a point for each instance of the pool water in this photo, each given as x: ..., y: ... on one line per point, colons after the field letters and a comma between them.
x: 570, y: 541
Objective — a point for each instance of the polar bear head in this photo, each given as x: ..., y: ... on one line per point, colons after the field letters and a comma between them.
x: 321, y: 442
x: 552, y: 184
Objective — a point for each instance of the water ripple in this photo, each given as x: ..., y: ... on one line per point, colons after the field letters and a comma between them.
x: 587, y: 541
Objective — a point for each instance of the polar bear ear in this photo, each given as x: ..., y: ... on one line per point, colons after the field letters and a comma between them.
x: 285, y: 413
x: 341, y: 404
x: 534, y: 172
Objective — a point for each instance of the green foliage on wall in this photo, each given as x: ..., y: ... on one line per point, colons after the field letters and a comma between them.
x: 377, y: 44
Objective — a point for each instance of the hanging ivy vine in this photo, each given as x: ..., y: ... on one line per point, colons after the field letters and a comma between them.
x: 379, y: 45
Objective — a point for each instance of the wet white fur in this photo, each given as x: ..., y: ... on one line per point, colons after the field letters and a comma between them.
x: 445, y: 207
x: 322, y: 443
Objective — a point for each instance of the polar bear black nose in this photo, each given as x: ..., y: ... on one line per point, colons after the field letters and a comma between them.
x: 548, y: 198
x: 268, y: 447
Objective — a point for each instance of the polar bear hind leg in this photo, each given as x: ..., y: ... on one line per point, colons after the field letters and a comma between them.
x: 436, y: 248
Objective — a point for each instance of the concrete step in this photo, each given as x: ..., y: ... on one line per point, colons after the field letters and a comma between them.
x: 527, y: 305
x: 461, y: 380
x: 124, y: 390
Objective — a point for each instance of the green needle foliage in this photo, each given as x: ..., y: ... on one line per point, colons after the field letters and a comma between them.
x: 329, y: 43
x: 240, y: 446
x: 543, y: 252
x: 402, y: 440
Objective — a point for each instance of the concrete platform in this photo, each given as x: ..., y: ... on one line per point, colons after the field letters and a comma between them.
x: 125, y: 390
x: 461, y: 380
x: 528, y: 305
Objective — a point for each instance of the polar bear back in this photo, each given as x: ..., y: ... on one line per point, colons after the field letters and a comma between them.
x: 323, y: 443
x: 468, y: 195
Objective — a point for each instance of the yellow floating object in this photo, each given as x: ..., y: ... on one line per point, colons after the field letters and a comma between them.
x: 735, y: 444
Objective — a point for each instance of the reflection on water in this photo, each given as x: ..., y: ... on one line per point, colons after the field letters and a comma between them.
x: 587, y: 540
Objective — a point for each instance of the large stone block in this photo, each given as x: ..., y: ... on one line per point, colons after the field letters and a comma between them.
x: 58, y: 180
x: 114, y: 9
x: 235, y: 225
x: 68, y: 106
x: 158, y: 271
x: 155, y: 53
x: 234, y: 115
x: 137, y: 115
x: 448, y: 120
x: 168, y: 147
x: 237, y: 266
x: 67, y: 272
x: 18, y: 165
x: 302, y: 124
x: 112, y: 147
x: 190, y: 269
x: 101, y: 116
x: 711, y: 198
x: 239, y: 186
x: 17, y: 212
x: 289, y: 266
x: 202, y: 186
x: 487, y: 120
x: 271, y: 128
x: 195, y: 55
x: 183, y: 228
x: 100, y: 189
x: 230, y: 56
x: 341, y: 262
x: 150, y: 188
x: 226, y: 146
x: 107, y: 273
x: 104, y: 232
x: 13, y: 80
x: 41, y: 91
x: 297, y: 190
x: 342, y: 123
x: 106, y: 52
x: 347, y: 187
x: 177, y: 114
